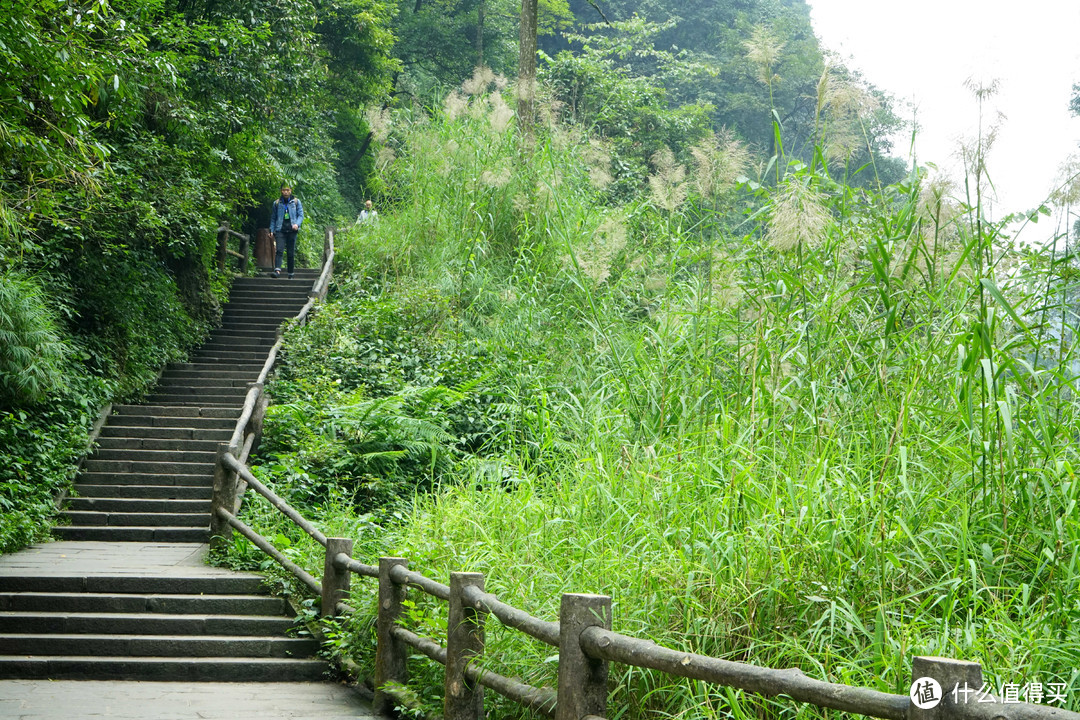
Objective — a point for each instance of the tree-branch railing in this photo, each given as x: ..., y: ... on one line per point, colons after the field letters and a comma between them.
x: 583, y: 635
x: 242, y: 255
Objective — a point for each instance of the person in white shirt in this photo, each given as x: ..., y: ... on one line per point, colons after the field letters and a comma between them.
x: 368, y: 214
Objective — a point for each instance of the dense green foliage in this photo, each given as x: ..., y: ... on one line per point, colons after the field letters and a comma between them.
x: 128, y: 130
x: 794, y: 425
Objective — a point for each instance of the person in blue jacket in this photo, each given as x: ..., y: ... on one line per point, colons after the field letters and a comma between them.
x: 285, y: 221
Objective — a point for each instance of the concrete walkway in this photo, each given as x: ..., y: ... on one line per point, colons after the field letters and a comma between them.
x: 78, y: 699
x: 91, y: 564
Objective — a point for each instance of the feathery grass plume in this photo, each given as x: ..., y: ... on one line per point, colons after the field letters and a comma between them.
x: 843, y: 105
x: 668, y: 184
x: 726, y: 286
x: 481, y: 78
x: 32, y: 352
x: 496, y: 178
x: 501, y: 114
x: 385, y: 157
x: 763, y: 50
x: 380, y: 122
x: 608, y: 241
x: 973, y: 151
x: 599, y: 161
x: 455, y: 105
x: 798, y: 215
x: 1067, y: 190
x: 718, y: 160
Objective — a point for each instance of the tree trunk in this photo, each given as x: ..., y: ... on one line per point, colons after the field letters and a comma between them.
x: 527, y: 69
x: 480, y: 34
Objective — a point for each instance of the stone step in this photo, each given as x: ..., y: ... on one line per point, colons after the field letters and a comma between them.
x: 154, y: 456
x: 174, y: 411
x: 204, y: 401
x: 170, y: 604
x: 165, y: 584
x: 167, y: 434
x: 171, y: 669
x: 165, y: 480
x: 258, y: 313
x: 146, y: 492
x: 252, y: 323
x: 15, y: 621
x: 227, y: 355
x: 251, y: 369
x: 112, y: 442
x: 101, y: 518
x: 217, y: 387
x: 133, y: 534
x: 156, y: 645
x: 130, y: 505
x: 267, y: 334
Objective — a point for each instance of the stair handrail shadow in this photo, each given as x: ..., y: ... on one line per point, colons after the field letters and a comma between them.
x: 583, y: 636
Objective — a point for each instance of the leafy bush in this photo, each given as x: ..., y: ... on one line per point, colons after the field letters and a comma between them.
x: 32, y: 351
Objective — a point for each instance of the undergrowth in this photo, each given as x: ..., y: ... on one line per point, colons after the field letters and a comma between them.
x: 787, y: 423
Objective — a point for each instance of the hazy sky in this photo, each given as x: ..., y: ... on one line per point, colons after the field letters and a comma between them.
x: 923, y: 50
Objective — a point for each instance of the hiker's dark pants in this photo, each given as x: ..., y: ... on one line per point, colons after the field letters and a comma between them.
x: 285, y: 240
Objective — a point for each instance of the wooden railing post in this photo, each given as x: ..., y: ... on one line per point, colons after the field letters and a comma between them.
x: 223, y: 244
x: 223, y: 495
x: 390, y: 653
x: 957, y: 682
x: 582, y: 680
x: 335, y: 581
x: 463, y: 700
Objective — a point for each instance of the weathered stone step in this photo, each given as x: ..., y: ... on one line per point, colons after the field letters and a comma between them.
x: 258, y: 324
x: 153, y: 456
x: 241, y: 372
x: 148, y: 467
x: 133, y: 534
x: 264, y: 335
x: 214, y: 434
x: 236, y: 339
x: 138, y: 505
x: 174, y: 411
x: 167, y: 480
x: 141, y: 623
x: 156, y: 645
x: 97, y: 518
x: 134, y: 603
x: 147, y: 492
x: 112, y: 442
x: 210, y: 585
x: 171, y: 669
x: 226, y: 355
x: 213, y: 387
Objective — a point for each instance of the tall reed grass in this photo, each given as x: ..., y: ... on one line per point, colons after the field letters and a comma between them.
x: 834, y: 430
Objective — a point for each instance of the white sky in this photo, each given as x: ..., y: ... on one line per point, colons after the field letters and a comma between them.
x: 922, y: 51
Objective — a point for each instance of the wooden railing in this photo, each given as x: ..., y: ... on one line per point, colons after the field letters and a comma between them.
x: 583, y: 636
x: 242, y: 255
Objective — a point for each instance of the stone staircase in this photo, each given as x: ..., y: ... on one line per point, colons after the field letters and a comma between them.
x: 96, y: 605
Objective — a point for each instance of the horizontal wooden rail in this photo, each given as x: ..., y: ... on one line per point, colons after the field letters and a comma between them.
x: 541, y: 700
x: 542, y: 630
x: 425, y: 645
x: 253, y: 482
x: 263, y: 544
x: 234, y: 233
x: 250, y: 400
x: 344, y: 562
x: 607, y: 645
x: 418, y: 581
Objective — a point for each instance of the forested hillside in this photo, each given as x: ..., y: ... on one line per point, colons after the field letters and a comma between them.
x: 684, y: 333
